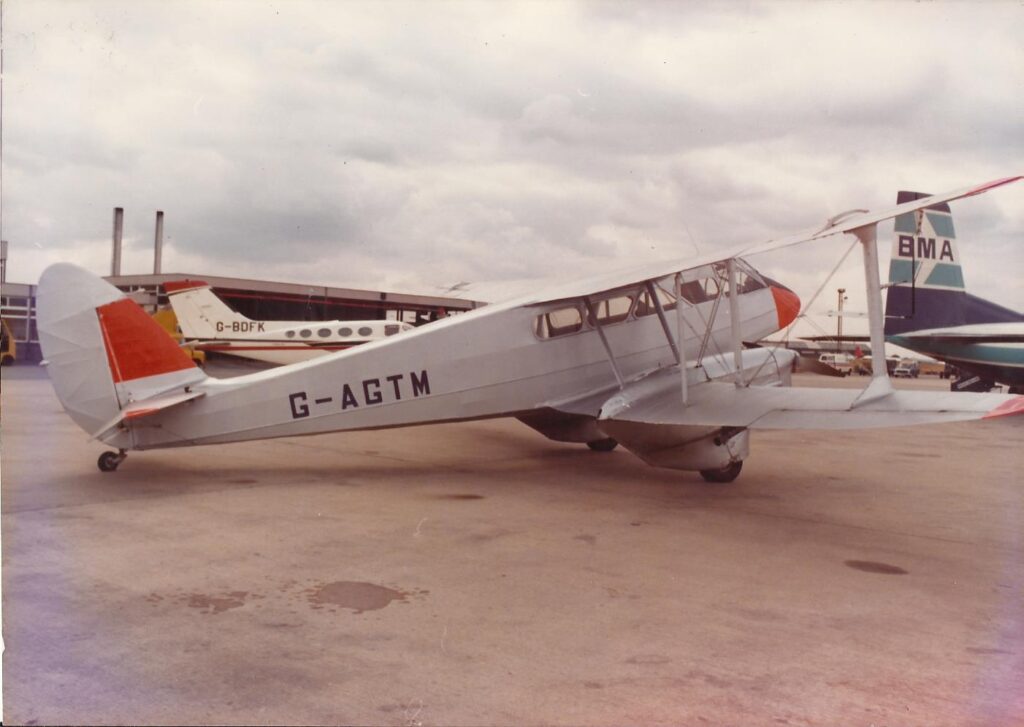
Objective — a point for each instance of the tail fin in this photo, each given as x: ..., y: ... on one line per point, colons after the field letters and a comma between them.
x: 104, y: 353
x: 926, y: 282
x: 201, y: 314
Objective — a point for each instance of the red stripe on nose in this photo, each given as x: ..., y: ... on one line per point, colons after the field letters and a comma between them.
x: 787, y: 304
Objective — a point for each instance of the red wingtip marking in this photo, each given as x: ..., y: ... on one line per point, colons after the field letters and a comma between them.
x: 1007, y: 408
x: 136, y: 345
x: 176, y: 286
x: 992, y: 185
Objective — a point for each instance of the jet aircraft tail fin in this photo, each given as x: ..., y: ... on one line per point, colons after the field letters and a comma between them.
x: 104, y: 354
x: 201, y: 314
x: 926, y: 281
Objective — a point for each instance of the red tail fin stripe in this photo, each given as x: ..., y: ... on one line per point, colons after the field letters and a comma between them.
x: 136, y: 345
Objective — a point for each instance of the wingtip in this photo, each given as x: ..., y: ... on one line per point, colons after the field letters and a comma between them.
x: 1010, y: 407
x: 981, y: 188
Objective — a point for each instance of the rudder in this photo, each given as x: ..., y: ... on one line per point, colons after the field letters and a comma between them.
x: 200, y: 313
x: 102, y: 351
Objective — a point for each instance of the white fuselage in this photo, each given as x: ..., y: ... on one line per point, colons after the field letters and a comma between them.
x: 486, y: 363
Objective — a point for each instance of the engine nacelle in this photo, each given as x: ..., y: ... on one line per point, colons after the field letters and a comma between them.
x: 682, y: 447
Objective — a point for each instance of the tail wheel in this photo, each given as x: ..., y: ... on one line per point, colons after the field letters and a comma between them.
x: 603, y: 445
x: 109, y: 461
x: 727, y: 474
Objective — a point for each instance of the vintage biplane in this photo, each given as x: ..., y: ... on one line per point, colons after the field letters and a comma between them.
x: 651, y: 357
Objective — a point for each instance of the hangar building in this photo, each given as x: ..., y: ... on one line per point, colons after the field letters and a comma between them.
x: 257, y: 299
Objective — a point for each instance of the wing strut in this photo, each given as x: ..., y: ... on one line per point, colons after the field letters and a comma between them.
x: 734, y: 320
x: 652, y: 294
x: 880, y: 385
x: 604, y: 340
x: 681, y: 331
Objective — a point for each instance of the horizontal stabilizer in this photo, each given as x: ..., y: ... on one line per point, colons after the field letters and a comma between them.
x: 718, y: 404
x: 147, y: 407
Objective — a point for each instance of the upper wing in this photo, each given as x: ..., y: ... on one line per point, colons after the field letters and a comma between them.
x: 651, y: 271
x: 864, y: 218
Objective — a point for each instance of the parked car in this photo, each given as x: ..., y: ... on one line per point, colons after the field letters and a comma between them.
x: 907, y: 370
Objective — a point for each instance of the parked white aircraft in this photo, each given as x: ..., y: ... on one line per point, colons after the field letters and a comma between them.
x: 208, y: 324
x: 651, y: 357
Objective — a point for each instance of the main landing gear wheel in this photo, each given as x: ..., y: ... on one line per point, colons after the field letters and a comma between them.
x: 603, y: 445
x: 109, y: 461
x: 726, y: 474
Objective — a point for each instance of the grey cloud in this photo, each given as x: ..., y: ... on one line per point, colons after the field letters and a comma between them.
x: 477, y: 139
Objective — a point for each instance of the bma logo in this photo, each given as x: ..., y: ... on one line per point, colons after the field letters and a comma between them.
x: 925, y: 248
x: 240, y: 326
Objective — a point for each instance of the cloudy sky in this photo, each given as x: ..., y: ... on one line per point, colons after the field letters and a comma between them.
x: 409, y: 146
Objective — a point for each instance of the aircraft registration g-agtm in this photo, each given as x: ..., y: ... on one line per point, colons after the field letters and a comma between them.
x: 651, y: 357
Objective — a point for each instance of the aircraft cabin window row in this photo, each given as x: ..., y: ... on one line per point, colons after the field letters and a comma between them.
x: 345, y: 332
x: 638, y: 303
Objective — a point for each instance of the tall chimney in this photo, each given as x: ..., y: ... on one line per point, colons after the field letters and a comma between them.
x: 115, y: 259
x: 3, y: 261
x: 158, y: 243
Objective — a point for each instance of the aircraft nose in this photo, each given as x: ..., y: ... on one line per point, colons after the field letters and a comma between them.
x: 787, y: 303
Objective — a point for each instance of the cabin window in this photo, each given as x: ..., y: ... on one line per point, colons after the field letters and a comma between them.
x: 748, y: 279
x: 612, y: 310
x: 345, y: 332
x: 391, y: 329
x: 366, y: 331
x: 560, y: 322
x: 645, y: 306
x: 324, y: 332
x: 289, y: 334
x: 305, y: 333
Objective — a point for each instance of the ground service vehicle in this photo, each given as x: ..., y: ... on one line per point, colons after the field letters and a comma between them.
x: 8, y: 346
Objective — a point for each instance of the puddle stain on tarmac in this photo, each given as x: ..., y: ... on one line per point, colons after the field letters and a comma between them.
x: 982, y: 650
x: 460, y: 496
x: 870, y: 566
x: 207, y: 604
x: 648, y: 659
x: 355, y: 595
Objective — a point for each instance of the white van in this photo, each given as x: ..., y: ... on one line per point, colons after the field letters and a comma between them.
x: 839, y: 361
